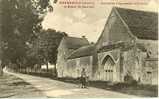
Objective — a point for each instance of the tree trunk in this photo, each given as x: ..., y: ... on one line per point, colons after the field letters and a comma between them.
x: 1, y: 70
x: 47, y: 66
x: 55, y: 71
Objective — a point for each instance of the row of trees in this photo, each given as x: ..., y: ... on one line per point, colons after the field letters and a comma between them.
x: 23, y: 41
x: 44, y: 48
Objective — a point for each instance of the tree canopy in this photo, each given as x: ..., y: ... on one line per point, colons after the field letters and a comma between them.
x: 44, y: 49
x: 21, y: 25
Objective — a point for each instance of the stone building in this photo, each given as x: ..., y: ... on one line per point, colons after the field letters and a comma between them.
x: 128, y: 47
x: 66, y: 47
x: 79, y: 59
x: 125, y: 51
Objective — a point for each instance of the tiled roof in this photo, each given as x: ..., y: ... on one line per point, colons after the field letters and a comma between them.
x: 144, y: 25
x: 75, y: 43
x: 83, y: 51
x: 111, y: 47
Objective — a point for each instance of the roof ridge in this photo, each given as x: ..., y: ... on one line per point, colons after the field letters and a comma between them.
x: 73, y: 37
x: 135, y: 10
x: 81, y: 49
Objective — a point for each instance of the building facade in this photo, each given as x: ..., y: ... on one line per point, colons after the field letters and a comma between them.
x: 125, y: 51
x: 128, y: 47
x: 66, y: 47
x: 81, y: 58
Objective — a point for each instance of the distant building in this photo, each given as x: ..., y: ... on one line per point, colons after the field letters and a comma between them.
x: 126, y: 50
x: 66, y: 47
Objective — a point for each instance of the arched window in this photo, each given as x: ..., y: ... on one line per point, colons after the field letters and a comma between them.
x: 108, y: 59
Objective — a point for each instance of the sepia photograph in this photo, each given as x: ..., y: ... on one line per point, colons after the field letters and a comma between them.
x: 79, y: 48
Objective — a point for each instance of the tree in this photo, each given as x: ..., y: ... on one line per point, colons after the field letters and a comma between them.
x: 45, y: 46
x: 21, y: 23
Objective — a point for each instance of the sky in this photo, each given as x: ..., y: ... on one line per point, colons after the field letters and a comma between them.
x: 89, y: 22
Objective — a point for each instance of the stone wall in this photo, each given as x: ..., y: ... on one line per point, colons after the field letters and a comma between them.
x: 63, y: 53
x: 114, y: 31
x: 150, y: 72
x: 71, y: 68
x: 132, y: 64
x: 139, y: 65
x: 118, y: 31
x: 151, y: 46
x: 61, y: 61
x: 74, y: 66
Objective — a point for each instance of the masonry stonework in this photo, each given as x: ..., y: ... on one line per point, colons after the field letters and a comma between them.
x: 126, y: 50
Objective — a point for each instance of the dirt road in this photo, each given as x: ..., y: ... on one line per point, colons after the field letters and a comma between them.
x: 54, y: 88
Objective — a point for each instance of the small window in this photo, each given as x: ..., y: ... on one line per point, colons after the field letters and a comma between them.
x: 111, y: 70
x: 105, y: 70
x: 149, y: 72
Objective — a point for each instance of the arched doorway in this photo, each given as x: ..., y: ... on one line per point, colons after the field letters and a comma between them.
x: 108, y: 68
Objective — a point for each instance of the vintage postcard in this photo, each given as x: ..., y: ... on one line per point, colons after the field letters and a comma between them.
x: 79, y: 48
